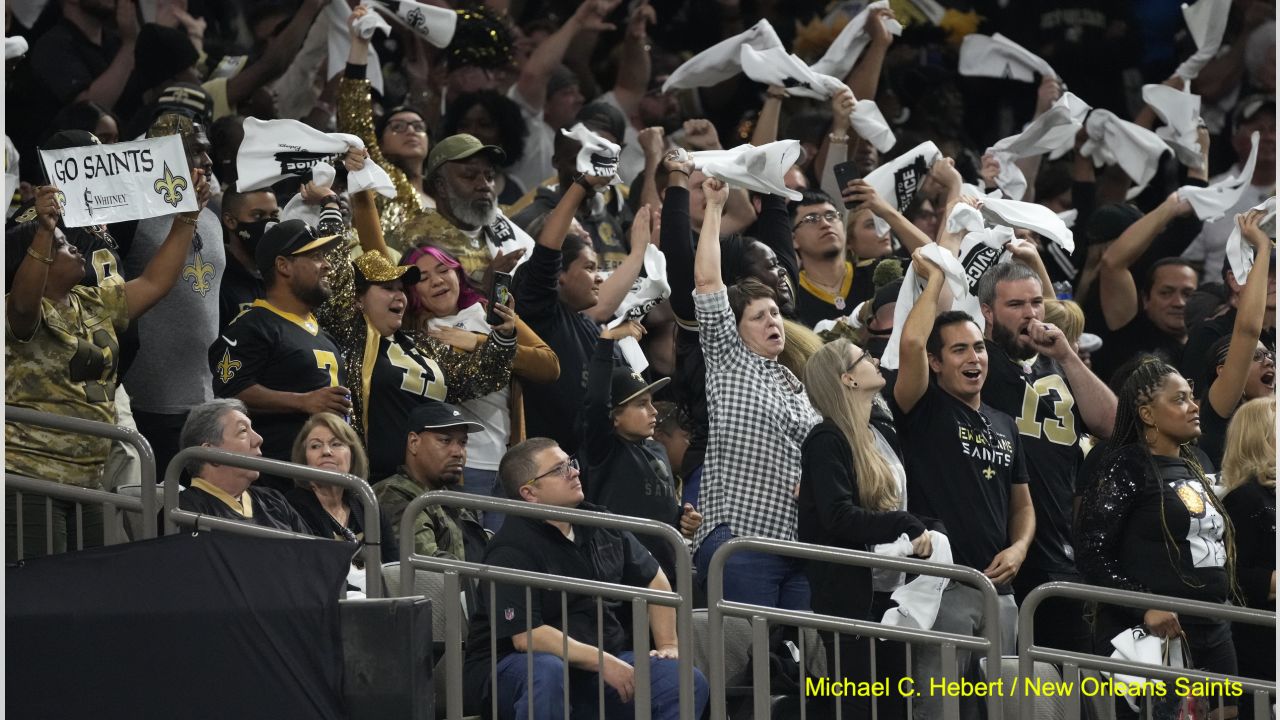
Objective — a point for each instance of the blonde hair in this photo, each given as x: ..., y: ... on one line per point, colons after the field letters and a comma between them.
x: 1067, y: 316
x: 340, y: 430
x: 1250, y: 448
x: 850, y: 410
x: 802, y: 342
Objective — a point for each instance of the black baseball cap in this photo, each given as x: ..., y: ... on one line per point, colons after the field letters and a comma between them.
x: 291, y: 237
x: 629, y: 385
x: 434, y: 415
x: 70, y: 139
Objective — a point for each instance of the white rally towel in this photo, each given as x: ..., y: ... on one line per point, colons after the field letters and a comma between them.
x: 999, y: 57
x: 852, y: 42
x: 436, y: 25
x: 370, y: 23
x: 898, y: 180
x: 336, y: 15
x: 1207, y: 21
x: 721, y: 61
x: 1239, y: 251
x: 869, y: 123
x: 124, y: 181
x: 760, y: 168
x: 1079, y: 110
x: 1180, y: 112
x: 1137, y: 645
x: 597, y: 156
x: 1113, y: 141
x: 1031, y: 216
x: 1211, y: 203
x: 14, y: 47
x: 912, y: 286
x: 1068, y: 218
x: 775, y: 66
x: 648, y: 291
x: 322, y: 174
x: 918, y: 601
x: 1046, y: 133
x: 273, y: 150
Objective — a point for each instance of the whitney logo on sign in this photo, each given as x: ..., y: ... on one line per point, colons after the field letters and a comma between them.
x: 122, y: 181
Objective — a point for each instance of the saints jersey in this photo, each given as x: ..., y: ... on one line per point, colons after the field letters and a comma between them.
x: 67, y: 367
x: 1037, y: 396
x: 403, y: 378
x: 280, y: 351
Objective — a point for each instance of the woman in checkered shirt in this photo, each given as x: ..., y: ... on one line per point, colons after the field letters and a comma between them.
x: 759, y: 416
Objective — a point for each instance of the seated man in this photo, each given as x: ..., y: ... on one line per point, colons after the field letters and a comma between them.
x: 538, y: 471
x: 435, y: 453
x: 225, y: 491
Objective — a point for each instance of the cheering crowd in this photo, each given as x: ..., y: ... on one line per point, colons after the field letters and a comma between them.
x: 991, y: 284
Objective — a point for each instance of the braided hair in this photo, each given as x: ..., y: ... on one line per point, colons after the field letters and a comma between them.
x: 1138, y: 389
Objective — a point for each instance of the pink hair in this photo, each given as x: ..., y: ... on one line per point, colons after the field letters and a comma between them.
x: 467, y: 296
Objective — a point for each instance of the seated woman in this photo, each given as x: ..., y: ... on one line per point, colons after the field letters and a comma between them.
x: 330, y: 511
x: 1249, y: 483
x: 853, y: 494
x: 1150, y: 522
x: 759, y: 416
x: 61, y: 354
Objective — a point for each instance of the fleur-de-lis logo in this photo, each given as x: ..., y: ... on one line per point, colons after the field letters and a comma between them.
x: 169, y: 186
x: 227, y: 367
x: 199, y: 273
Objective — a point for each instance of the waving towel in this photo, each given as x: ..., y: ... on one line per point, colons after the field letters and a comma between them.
x: 648, y: 291
x: 433, y: 24
x: 1207, y: 20
x: 1180, y: 112
x: 1239, y: 251
x: 999, y: 57
x: 597, y: 156
x: 1211, y: 203
x: 912, y: 286
x: 721, y: 61
x: 852, y: 41
x: 1113, y: 141
x: 1031, y: 216
x: 898, y: 180
x: 759, y: 168
x: 340, y: 43
x: 869, y: 123
x: 774, y: 66
x: 918, y: 601
x: 273, y: 150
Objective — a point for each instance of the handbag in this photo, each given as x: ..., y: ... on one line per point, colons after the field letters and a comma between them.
x: 1172, y: 707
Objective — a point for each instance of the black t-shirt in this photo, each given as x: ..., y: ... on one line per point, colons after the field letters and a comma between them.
x: 551, y: 409
x: 961, y: 466
x: 602, y: 554
x: 1213, y: 431
x: 403, y: 378
x: 1139, y: 336
x: 239, y: 289
x: 813, y: 304
x: 280, y: 351
x: 1039, y: 399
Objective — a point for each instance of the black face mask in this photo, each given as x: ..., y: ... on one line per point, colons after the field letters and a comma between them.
x: 251, y: 232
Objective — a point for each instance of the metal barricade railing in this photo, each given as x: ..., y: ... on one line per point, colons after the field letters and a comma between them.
x: 759, y: 615
x: 640, y: 598
x: 1074, y: 662
x: 146, y: 506
x: 111, y: 503
x: 371, y: 547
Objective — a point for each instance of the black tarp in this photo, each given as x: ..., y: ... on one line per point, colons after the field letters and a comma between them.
x: 206, y: 626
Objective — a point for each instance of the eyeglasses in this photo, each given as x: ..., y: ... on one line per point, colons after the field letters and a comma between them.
x: 564, y: 470
x: 403, y: 126
x: 1263, y: 355
x: 334, y: 445
x: 831, y: 216
x: 854, y: 364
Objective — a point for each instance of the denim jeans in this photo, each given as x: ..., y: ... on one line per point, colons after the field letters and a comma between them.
x: 547, y: 697
x: 484, y: 483
x: 755, y: 578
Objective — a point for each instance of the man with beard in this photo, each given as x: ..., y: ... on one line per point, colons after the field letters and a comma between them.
x: 467, y: 222
x: 964, y: 463
x: 244, y: 220
x: 274, y: 357
x: 434, y: 455
x: 1036, y: 378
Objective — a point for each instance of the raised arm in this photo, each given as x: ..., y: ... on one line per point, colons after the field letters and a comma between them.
x: 706, y: 261
x: 158, y: 278
x: 280, y: 51
x: 653, y: 141
x: 549, y: 54
x: 634, y: 67
x: 863, y: 194
x: 106, y: 89
x: 835, y: 146
x: 615, y: 287
x: 1118, y: 290
x: 24, y: 304
x: 676, y: 234
x: 766, y: 129
x: 913, y: 359
x: 1028, y: 255
x: 1227, y: 389
x: 864, y: 78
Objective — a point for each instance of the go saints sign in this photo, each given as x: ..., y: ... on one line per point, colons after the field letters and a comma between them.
x: 124, y: 181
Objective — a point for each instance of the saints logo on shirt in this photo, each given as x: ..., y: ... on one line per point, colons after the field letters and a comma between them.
x: 227, y: 367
